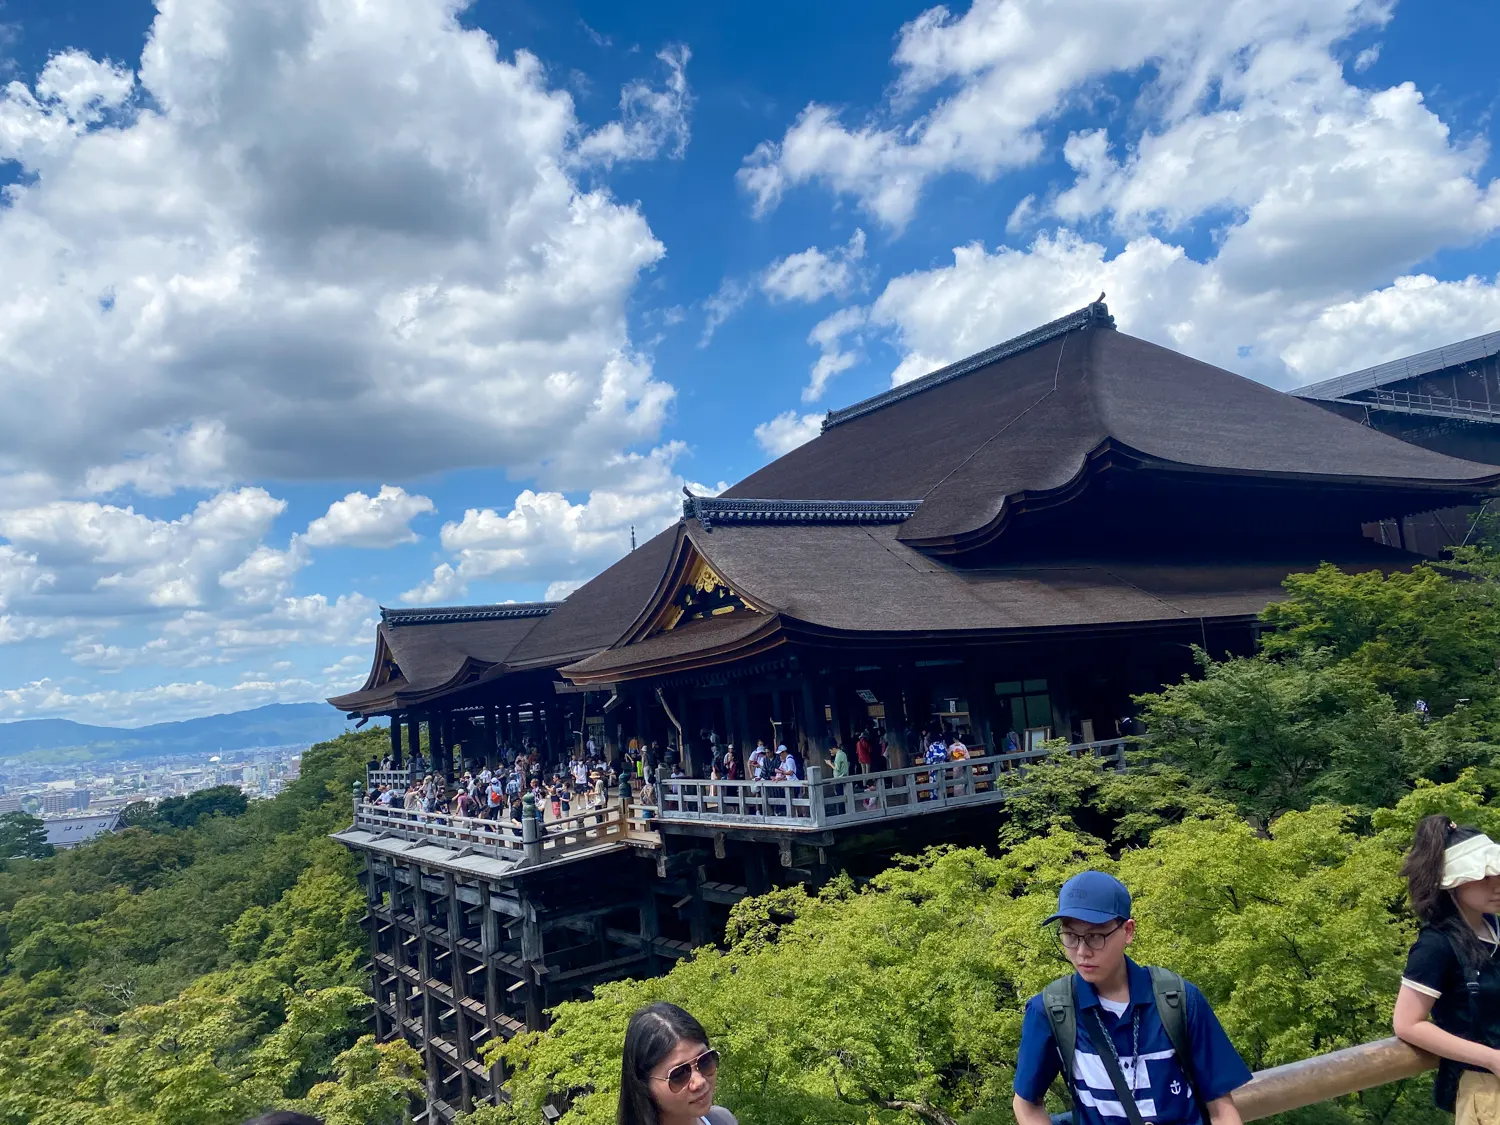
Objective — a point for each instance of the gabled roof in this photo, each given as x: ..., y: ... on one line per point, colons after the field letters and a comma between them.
x: 1471, y: 350
x: 1023, y: 423
x: 596, y: 614
x: 422, y: 653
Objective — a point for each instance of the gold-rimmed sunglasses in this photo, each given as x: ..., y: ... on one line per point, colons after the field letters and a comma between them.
x: 706, y: 1064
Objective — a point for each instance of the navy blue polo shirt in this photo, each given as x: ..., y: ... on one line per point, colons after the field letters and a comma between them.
x: 1161, y: 1089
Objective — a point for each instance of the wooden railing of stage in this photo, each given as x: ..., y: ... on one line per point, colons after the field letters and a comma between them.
x: 506, y: 839
x: 824, y: 802
x: 815, y: 804
x: 394, y: 779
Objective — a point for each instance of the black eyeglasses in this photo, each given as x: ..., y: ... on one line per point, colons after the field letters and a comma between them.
x: 1094, y: 940
x: 706, y: 1064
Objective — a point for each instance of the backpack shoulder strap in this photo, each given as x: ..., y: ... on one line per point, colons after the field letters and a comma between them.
x: 1062, y: 1019
x: 1170, y: 993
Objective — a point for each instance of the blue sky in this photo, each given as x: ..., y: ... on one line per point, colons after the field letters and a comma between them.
x: 308, y: 306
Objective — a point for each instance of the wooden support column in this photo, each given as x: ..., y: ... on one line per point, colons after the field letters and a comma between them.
x: 457, y: 982
x: 757, y: 873
x: 814, y: 734
x: 698, y: 928
x: 413, y: 738
x: 395, y: 742
x: 494, y: 994
x: 372, y: 899
x: 491, y: 746
x: 403, y: 1004
x: 430, y: 1059
x: 650, y: 931
x: 531, y: 955
x: 744, y: 738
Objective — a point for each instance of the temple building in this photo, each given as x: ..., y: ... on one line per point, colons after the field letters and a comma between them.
x: 1446, y: 399
x: 1020, y: 542
x: 1013, y: 546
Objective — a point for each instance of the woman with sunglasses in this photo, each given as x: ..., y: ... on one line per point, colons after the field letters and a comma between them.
x: 668, y: 1072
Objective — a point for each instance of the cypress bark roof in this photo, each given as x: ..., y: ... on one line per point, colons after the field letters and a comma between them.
x: 980, y: 437
x: 423, y: 653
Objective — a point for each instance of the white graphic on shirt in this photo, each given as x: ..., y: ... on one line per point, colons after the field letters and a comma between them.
x: 1091, y: 1076
x: 1175, y: 1087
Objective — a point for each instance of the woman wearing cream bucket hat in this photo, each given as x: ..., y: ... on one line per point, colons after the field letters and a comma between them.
x: 1449, y: 1003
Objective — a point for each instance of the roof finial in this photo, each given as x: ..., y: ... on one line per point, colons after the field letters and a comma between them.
x: 632, y: 537
x: 1100, y: 299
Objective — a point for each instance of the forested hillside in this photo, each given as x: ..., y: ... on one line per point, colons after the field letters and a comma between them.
x: 195, y: 973
x: 194, y: 976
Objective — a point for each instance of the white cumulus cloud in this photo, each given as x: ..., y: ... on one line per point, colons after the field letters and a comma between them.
x: 975, y: 90
x: 812, y: 274
x: 787, y: 431
x: 286, y: 231
x: 382, y: 520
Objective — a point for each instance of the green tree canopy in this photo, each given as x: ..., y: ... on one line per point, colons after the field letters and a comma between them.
x: 188, y: 810
x: 23, y: 836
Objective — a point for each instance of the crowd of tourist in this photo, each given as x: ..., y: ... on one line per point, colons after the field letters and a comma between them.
x: 585, y: 781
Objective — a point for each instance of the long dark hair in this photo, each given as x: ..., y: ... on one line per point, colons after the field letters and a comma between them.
x: 1423, y: 871
x: 654, y: 1030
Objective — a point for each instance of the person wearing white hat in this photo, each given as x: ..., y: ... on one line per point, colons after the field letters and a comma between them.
x: 1449, y: 1002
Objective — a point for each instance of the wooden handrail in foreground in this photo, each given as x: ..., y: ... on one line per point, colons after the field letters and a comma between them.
x: 1318, y: 1079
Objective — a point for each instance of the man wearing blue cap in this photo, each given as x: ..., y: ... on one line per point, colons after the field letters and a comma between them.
x: 1140, y: 1044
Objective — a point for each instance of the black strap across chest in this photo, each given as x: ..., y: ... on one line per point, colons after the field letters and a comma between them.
x: 1112, y: 1066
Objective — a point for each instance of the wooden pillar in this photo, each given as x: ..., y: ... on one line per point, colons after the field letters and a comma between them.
x: 372, y: 899
x: 685, y: 736
x: 698, y: 929
x: 413, y: 738
x: 744, y: 738
x: 494, y: 993
x: 456, y: 982
x: 895, y: 714
x: 531, y: 956
x: 403, y: 1003
x: 815, y: 733
x: 430, y: 1059
x: 650, y: 931
x: 395, y: 742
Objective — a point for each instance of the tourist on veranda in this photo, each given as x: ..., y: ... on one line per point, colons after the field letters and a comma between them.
x: 668, y: 1071
x: 1449, y: 1001
x: 1132, y: 1058
x: 840, y: 766
x: 864, y: 751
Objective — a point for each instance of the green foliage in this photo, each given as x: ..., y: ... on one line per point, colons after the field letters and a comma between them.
x: 199, y: 971
x: 889, y: 1002
x: 23, y: 836
x: 186, y: 811
x: 1328, y: 709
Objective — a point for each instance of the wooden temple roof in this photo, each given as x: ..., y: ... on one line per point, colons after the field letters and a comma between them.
x: 821, y: 583
x: 427, y: 652
x: 893, y: 522
x: 1022, y: 423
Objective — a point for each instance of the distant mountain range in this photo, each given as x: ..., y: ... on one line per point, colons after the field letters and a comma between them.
x: 279, y: 724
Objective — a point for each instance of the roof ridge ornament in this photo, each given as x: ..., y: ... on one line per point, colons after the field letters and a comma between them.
x: 1095, y: 315
x: 451, y: 614
x: 708, y: 510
